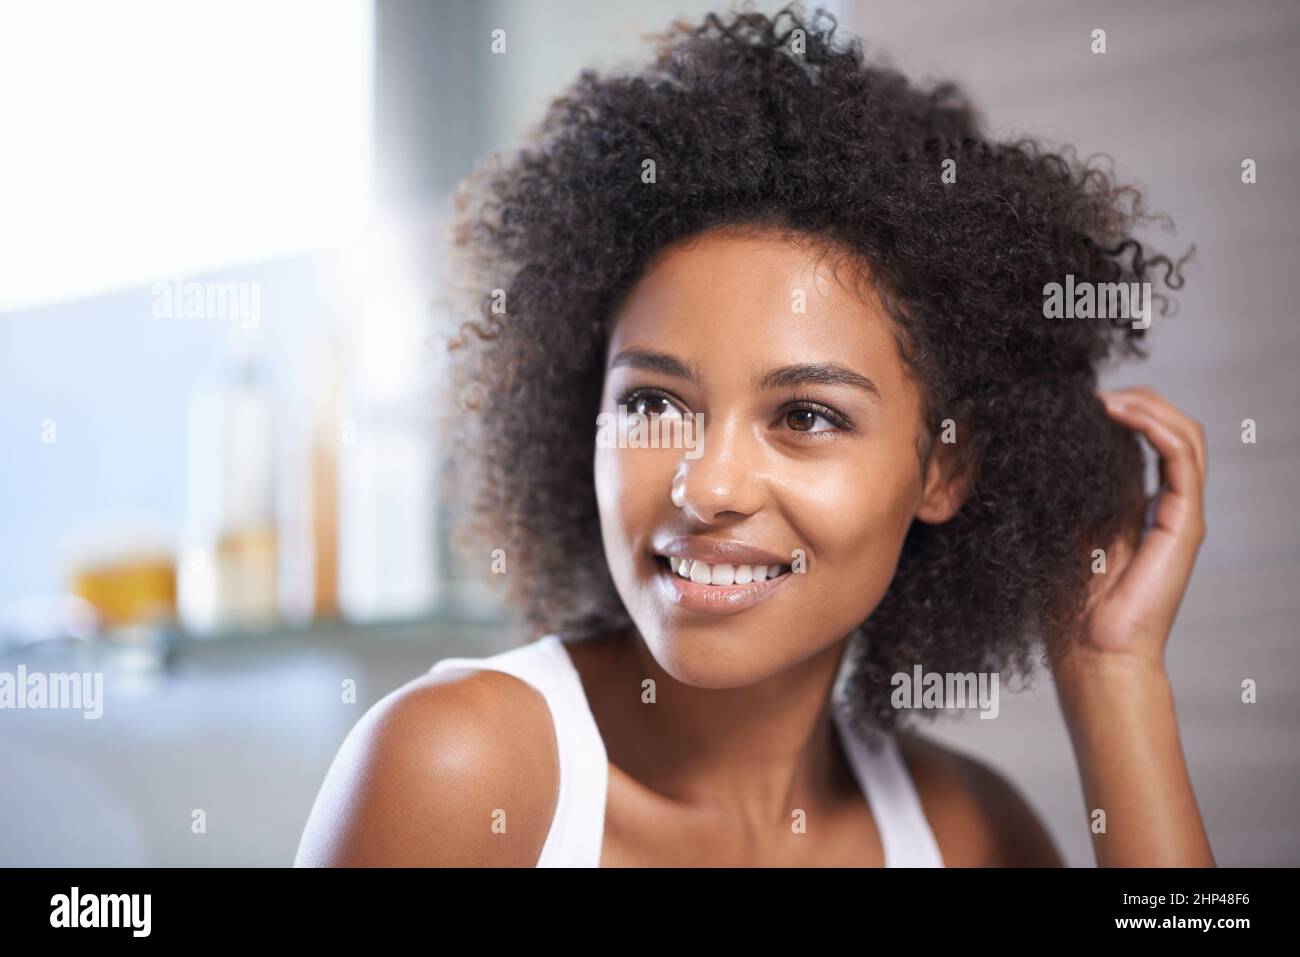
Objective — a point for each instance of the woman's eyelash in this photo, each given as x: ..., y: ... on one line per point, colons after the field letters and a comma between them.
x: 794, y: 404
x: 800, y: 404
x: 632, y: 396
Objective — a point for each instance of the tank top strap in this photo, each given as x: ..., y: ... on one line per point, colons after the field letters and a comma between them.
x: 882, y: 774
x: 578, y: 827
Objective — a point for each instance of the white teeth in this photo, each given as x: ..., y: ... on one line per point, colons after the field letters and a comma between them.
x: 702, y: 573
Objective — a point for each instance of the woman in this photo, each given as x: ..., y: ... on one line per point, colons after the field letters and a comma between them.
x: 904, y: 464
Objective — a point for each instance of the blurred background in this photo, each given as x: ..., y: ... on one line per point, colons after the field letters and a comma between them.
x: 219, y: 279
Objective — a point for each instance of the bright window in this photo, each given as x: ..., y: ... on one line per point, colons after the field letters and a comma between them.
x: 151, y: 138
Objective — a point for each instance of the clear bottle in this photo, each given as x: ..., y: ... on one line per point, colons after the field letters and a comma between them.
x: 227, y: 568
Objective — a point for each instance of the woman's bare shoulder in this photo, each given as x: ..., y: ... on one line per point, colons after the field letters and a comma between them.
x: 452, y: 769
x: 979, y: 818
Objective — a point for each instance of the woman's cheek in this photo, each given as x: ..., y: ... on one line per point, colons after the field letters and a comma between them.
x: 854, y: 519
x: 630, y: 483
x: 608, y: 478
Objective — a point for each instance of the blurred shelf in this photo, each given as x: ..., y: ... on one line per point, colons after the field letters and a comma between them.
x: 462, y: 628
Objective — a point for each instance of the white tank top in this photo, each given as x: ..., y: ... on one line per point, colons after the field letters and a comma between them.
x: 578, y: 829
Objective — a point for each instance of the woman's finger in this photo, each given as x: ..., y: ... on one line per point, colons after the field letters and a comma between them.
x: 1168, y: 413
x: 1178, y: 509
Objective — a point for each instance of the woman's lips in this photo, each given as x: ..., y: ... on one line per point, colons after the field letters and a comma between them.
x: 715, y: 599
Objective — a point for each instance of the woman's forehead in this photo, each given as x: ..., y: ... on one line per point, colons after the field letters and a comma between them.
x: 754, y: 301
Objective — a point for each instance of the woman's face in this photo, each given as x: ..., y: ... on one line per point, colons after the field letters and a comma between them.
x: 804, y: 480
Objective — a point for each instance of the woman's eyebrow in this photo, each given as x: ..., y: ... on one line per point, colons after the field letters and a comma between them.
x: 816, y: 373
x: 807, y: 373
x: 654, y: 362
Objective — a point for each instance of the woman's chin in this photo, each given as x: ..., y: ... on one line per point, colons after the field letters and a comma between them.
x: 718, y: 655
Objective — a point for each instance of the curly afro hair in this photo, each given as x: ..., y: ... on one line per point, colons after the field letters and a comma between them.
x: 771, y: 122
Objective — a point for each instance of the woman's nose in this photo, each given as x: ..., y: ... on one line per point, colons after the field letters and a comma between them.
x: 721, y: 480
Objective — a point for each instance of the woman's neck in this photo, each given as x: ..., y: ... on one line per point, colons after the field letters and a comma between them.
x: 754, y: 753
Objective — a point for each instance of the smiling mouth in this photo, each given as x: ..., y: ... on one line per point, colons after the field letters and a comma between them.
x: 721, y: 575
x: 729, y: 589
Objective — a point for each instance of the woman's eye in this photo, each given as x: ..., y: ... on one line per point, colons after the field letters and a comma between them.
x: 806, y: 420
x: 650, y: 403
